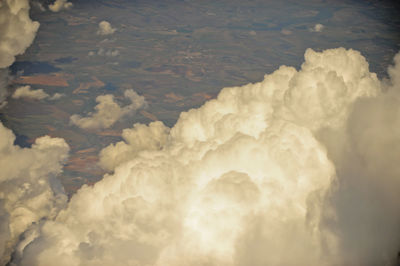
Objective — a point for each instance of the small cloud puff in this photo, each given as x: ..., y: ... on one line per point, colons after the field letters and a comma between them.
x: 252, y: 33
x: 105, y: 52
x: 105, y: 28
x: 286, y: 32
x: 59, y: 5
x: 27, y: 92
x: 57, y: 96
x: 317, y: 28
x: 110, y: 52
x: 108, y: 111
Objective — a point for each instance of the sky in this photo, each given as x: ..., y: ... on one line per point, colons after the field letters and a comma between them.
x: 199, y: 133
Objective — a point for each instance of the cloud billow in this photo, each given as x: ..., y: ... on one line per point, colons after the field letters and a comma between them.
x: 29, y: 190
x: 293, y: 170
x: 108, y: 111
x: 317, y: 28
x: 17, y: 33
x: 105, y: 28
x: 60, y: 5
x: 27, y: 93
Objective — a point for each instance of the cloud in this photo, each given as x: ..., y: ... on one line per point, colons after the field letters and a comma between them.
x: 29, y: 190
x: 317, y: 28
x: 298, y: 169
x: 105, y: 52
x: 105, y: 28
x: 17, y: 30
x: 286, y: 32
x: 4, y: 79
x: 136, y: 139
x: 59, y: 5
x: 108, y: 111
x: 26, y: 92
x: 56, y: 96
x: 38, y: 6
x: 17, y: 33
x: 366, y: 216
x: 109, y: 52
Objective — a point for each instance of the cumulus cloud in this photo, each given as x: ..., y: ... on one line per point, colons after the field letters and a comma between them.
x: 38, y: 6
x: 17, y: 32
x: 136, y: 139
x: 56, y: 96
x: 298, y: 169
x: 27, y: 92
x: 29, y: 191
x: 105, y: 28
x: 59, y: 5
x: 105, y: 52
x: 317, y: 28
x: 108, y: 111
x: 108, y: 52
x: 4, y: 76
x: 366, y: 216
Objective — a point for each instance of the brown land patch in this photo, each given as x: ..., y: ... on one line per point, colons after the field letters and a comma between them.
x: 112, y: 133
x: 173, y: 97
x: 203, y: 95
x: 90, y: 150
x: 149, y: 115
x: 58, y: 80
x: 85, y: 86
x: 84, y: 163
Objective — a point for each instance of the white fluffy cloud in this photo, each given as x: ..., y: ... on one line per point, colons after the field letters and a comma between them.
x: 59, y: 5
x: 27, y: 92
x: 364, y: 199
x: 108, y: 111
x: 29, y: 191
x: 105, y: 28
x: 318, y: 28
x: 105, y: 52
x: 17, y: 32
x: 136, y: 139
x: 299, y: 169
